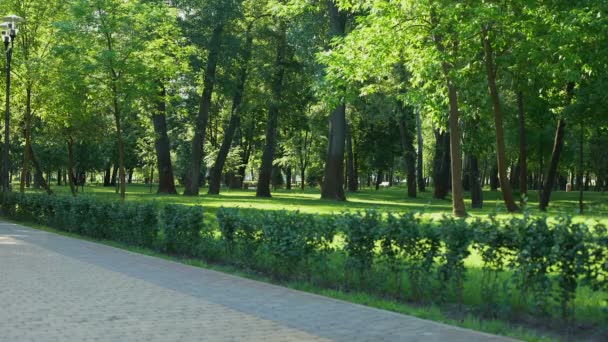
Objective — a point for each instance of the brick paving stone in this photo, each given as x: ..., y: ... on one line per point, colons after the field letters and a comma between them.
x: 56, y: 288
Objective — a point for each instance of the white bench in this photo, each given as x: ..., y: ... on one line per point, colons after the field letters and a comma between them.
x: 384, y: 184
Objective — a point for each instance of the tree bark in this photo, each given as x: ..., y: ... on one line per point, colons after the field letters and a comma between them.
x: 505, y: 186
x: 45, y: 184
x: 166, y: 181
x: 263, y: 188
x: 198, y: 141
x: 71, y: 176
x: 420, y: 161
x: 59, y: 177
x: 580, y: 167
x: 441, y: 165
x: 558, y: 145
x: 406, y: 130
x: 379, y: 178
x: 218, y: 166
x: 476, y: 189
x: 523, y: 164
x: 114, y: 175
x: 121, y: 151
x: 26, y: 135
x: 288, y: 177
x: 334, y: 164
x: 353, y: 184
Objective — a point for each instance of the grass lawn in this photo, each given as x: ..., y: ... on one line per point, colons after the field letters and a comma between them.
x: 388, y: 199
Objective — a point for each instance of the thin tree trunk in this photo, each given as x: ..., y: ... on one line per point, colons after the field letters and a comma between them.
x: 166, y: 181
x: 198, y: 141
x: 59, y: 177
x: 218, y: 166
x: 406, y: 130
x: 114, y: 175
x: 558, y: 145
x: 26, y: 135
x: 45, y: 184
x: 580, y: 168
x: 353, y: 184
x: 121, y: 151
x: 505, y: 186
x: 288, y: 177
x: 379, y: 178
x: 476, y: 189
x: 523, y: 164
x: 71, y: 176
x: 441, y: 165
x: 263, y: 189
x: 420, y: 161
x: 334, y: 163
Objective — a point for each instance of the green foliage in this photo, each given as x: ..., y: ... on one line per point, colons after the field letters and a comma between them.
x: 182, y: 229
x: 361, y: 233
x: 528, y: 265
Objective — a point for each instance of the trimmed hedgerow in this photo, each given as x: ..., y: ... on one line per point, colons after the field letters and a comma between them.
x: 528, y: 264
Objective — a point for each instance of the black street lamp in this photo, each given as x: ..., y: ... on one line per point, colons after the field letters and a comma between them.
x: 9, y: 33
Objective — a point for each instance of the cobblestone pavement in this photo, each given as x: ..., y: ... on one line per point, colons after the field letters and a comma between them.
x: 56, y: 288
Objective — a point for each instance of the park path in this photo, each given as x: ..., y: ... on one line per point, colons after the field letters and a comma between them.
x: 56, y: 288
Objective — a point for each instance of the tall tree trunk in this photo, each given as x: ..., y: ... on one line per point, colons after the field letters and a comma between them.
x: 353, y: 184
x: 523, y: 163
x: 263, y: 189
x: 288, y: 177
x: 379, y: 178
x: 166, y: 181
x: 130, y: 176
x: 71, y: 175
x: 441, y: 165
x: 558, y: 145
x: 420, y: 161
x: 45, y: 184
x: 121, y: 151
x: 494, y: 177
x: 59, y: 177
x: 505, y: 186
x: 26, y: 135
x: 476, y: 189
x: 580, y: 168
x: 237, y: 99
x: 303, y: 156
x: 114, y: 175
x: 406, y: 129
x: 334, y: 163
x: 198, y: 141
x: 466, y: 173
x: 107, y: 176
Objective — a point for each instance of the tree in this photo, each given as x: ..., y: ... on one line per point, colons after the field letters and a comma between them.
x: 333, y: 179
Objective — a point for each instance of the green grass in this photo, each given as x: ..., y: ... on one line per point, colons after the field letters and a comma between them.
x: 388, y: 199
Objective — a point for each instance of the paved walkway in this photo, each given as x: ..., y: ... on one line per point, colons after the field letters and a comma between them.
x: 55, y: 288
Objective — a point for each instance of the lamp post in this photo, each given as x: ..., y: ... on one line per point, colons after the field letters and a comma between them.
x: 9, y: 33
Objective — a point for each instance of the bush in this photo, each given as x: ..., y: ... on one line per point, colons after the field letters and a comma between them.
x: 544, y: 262
x: 181, y: 229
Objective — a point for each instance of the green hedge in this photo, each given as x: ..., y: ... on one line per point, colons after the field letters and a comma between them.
x: 172, y: 229
x: 530, y: 264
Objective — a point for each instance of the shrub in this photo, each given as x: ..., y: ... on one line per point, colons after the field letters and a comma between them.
x: 457, y: 236
x: 361, y: 233
x: 181, y: 229
x: 534, y: 260
x: 495, y: 245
